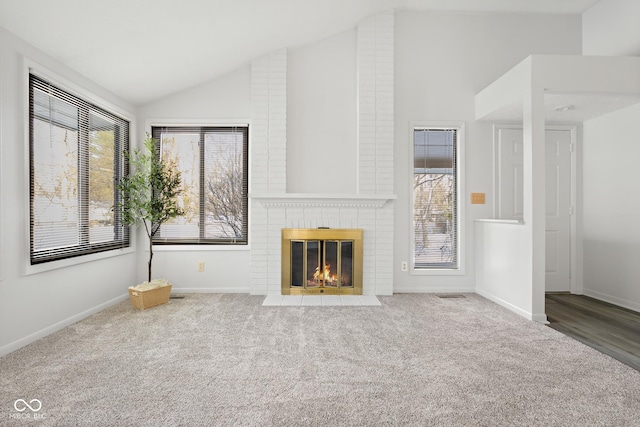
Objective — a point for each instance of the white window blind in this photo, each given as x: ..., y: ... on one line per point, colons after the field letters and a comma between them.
x: 75, y: 159
x: 213, y: 162
x: 435, y: 211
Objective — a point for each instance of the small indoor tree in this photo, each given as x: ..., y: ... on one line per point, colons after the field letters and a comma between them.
x: 149, y: 193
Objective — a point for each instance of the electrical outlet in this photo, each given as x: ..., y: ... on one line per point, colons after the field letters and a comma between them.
x: 200, y: 266
x: 404, y: 266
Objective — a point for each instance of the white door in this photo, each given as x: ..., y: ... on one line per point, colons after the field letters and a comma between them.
x: 558, y: 197
x: 509, y: 174
x: 558, y: 207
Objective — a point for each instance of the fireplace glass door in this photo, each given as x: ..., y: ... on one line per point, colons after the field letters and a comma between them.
x: 319, y: 264
x: 321, y: 261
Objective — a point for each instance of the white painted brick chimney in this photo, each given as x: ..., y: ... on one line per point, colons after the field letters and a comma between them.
x: 372, y: 209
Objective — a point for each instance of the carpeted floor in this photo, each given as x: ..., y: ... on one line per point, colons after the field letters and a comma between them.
x: 221, y: 359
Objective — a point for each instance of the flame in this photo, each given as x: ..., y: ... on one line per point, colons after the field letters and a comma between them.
x: 324, y: 275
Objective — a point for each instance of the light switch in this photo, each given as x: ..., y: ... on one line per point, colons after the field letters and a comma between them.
x: 477, y: 198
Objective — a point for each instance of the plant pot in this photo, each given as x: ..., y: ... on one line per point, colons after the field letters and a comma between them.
x: 149, y: 298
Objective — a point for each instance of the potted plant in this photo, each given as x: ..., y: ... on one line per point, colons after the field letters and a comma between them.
x: 149, y: 197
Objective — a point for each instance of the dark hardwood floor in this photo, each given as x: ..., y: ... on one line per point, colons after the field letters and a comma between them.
x: 610, y: 329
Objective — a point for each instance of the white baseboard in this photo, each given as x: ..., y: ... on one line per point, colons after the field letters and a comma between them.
x: 229, y: 290
x: 540, y: 318
x: 631, y: 305
x: 510, y: 306
x: 15, y: 345
x: 431, y: 290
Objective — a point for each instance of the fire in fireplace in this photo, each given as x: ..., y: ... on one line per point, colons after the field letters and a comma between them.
x: 321, y: 261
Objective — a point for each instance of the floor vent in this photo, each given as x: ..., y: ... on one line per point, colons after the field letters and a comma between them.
x: 177, y: 297
x: 450, y: 296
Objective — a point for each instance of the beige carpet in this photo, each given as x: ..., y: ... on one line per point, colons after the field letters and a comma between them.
x: 226, y: 360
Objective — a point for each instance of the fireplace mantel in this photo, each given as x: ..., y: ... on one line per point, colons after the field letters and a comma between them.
x: 304, y: 200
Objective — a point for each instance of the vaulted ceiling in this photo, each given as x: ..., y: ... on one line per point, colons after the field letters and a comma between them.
x: 142, y: 50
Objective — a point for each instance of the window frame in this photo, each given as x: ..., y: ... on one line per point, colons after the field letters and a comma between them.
x: 98, y: 251
x: 2, y: 246
x: 460, y: 200
x: 201, y: 242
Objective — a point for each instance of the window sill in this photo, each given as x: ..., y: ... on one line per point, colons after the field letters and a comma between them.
x: 70, y: 262
x: 501, y: 221
x: 199, y: 248
x: 437, y: 272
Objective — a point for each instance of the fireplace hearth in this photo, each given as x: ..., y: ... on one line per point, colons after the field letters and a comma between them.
x: 321, y: 261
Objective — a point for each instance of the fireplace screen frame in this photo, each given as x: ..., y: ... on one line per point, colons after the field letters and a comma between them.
x: 290, y: 235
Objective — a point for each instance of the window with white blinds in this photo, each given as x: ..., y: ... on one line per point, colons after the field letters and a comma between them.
x: 75, y: 151
x: 213, y: 162
x: 435, y: 201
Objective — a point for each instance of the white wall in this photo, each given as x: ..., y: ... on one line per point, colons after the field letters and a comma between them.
x: 225, y: 100
x: 321, y: 116
x: 611, y: 230
x: 503, y: 274
x: 442, y: 61
x: 34, y: 305
x: 227, y: 97
x: 610, y: 28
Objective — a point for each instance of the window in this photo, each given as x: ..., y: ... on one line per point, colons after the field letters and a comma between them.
x: 213, y: 162
x: 435, y: 198
x: 75, y: 154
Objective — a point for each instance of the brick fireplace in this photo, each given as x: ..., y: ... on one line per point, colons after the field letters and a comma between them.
x: 372, y: 214
x: 371, y: 209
